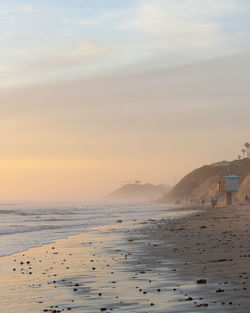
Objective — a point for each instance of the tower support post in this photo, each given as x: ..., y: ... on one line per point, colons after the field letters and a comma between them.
x: 229, y: 198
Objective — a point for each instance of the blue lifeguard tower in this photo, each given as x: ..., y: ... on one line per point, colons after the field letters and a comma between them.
x: 229, y: 185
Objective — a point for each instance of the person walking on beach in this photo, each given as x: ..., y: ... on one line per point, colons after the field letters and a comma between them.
x: 246, y: 199
x: 215, y: 201
x: 212, y: 202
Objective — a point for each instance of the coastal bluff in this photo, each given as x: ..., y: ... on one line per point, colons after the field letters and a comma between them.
x: 202, y: 182
x: 139, y: 192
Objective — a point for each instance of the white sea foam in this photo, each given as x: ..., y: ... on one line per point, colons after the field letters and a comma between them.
x: 25, y: 225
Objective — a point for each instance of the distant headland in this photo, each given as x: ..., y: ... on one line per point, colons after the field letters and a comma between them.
x: 138, y: 191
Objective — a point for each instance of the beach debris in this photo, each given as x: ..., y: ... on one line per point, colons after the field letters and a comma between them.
x: 119, y: 221
x: 203, y: 227
x: 219, y: 260
x: 131, y: 239
x: 219, y: 290
x: 201, y: 281
x: 202, y: 305
x: 189, y: 299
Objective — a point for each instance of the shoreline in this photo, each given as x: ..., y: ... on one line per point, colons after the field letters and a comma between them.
x: 147, y: 266
x: 174, y: 208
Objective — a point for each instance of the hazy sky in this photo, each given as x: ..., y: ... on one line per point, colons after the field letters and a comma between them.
x: 98, y: 92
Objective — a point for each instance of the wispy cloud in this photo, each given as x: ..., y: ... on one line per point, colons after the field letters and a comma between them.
x: 43, y: 62
x: 100, y: 19
x: 85, y: 52
x: 189, y: 22
x: 48, y: 37
x: 14, y: 7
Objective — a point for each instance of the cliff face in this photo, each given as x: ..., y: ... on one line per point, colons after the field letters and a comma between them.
x: 138, y: 192
x: 202, y: 182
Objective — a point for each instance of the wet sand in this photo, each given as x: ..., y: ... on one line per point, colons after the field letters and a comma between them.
x: 149, y: 266
x: 213, y: 245
x: 91, y: 272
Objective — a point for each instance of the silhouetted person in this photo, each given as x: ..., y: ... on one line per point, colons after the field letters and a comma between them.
x: 215, y: 201
x: 212, y: 202
x: 246, y: 198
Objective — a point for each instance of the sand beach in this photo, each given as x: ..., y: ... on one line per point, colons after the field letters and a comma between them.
x: 138, y: 266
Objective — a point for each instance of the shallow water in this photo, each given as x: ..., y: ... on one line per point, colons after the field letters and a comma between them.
x: 26, y: 225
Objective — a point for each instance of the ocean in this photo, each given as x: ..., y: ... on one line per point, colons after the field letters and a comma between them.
x: 26, y: 225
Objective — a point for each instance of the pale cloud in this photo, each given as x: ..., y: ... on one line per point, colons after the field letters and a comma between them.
x: 46, y: 61
x: 163, y: 17
x: 87, y: 51
x: 182, y: 23
x: 98, y: 20
x: 28, y: 9
x: 15, y: 7
x: 46, y: 40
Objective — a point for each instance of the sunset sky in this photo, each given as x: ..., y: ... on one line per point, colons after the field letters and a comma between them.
x: 95, y: 93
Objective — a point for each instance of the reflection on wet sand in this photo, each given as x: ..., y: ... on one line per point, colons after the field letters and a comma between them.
x: 90, y: 272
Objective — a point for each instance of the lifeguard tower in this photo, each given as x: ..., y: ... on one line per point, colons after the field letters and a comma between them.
x: 229, y: 185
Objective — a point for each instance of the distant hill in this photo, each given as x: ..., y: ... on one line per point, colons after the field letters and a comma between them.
x: 139, y: 192
x: 202, y: 182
